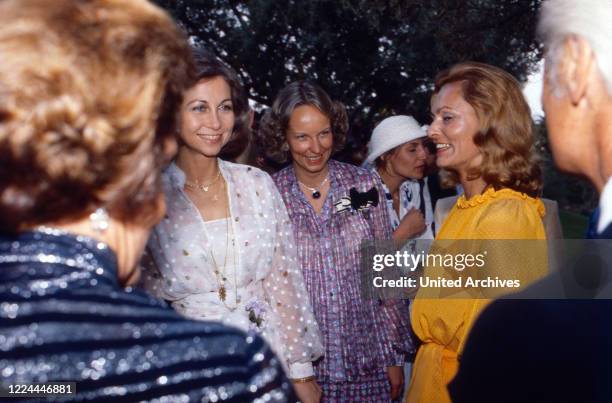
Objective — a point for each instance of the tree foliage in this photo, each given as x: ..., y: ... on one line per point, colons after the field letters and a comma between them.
x: 573, y: 193
x: 378, y: 57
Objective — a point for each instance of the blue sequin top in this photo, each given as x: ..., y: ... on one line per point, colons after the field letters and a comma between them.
x: 64, y: 317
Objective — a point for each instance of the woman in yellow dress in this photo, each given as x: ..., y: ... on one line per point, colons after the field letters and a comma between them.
x: 482, y: 128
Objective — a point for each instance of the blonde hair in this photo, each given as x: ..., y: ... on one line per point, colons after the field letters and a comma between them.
x: 506, y: 135
x: 88, y: 96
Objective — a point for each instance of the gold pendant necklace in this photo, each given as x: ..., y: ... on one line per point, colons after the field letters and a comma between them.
x: 201, y: 186
x: 220, y: 274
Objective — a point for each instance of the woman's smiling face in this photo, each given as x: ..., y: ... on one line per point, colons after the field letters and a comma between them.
x: 454, y: 124
x: 207, y: 116
x: 310, y: 139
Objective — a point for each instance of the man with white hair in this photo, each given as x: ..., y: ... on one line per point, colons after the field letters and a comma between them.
x: 558, y: 350
x: 577, y: 94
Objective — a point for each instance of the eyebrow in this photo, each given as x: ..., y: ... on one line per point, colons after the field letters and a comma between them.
x: 206, y: 102
x: 328, y: 128
x: 440, y: 108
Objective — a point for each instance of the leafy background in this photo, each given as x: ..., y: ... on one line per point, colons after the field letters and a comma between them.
x: 378, y: 57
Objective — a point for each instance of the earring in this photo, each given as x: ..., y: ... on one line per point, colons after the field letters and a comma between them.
x: 99, y: 220
x: 285, y: 147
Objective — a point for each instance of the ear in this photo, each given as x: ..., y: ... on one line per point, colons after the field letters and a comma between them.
x: 575, y: 68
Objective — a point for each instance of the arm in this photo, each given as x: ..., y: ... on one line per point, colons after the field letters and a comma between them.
x: 159, y: 277
x: 152, y: 278
x: 395, y: 333
x: 286, y: 292
x: 512, y: 234
x: 411, y: 225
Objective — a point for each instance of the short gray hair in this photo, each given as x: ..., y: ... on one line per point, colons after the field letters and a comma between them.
x: 589, y: 19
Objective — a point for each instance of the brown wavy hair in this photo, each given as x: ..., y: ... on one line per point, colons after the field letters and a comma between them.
x: 506, y: 136
x: 88, y: 97
x: 272, y: 133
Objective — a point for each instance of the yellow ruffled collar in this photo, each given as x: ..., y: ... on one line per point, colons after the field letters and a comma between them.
x: 492, y: 194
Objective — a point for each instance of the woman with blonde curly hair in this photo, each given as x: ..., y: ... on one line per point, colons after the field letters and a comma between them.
x: 482, y: 128
x: 333, y: 208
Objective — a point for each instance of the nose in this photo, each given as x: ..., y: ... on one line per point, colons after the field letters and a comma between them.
x: 421, y: 153
x: 213, y: 120
x: 432, y: 130
x: 315, y: 146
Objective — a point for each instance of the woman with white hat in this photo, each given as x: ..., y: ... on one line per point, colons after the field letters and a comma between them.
x: 397, y: 154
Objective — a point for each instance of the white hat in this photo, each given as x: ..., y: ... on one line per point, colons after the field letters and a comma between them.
x: 392, y: 132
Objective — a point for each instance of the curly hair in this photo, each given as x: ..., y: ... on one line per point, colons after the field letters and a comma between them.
x: 272, y: 133
x: 88, y: 99
x: 506, y: 135
x: 208, y: 66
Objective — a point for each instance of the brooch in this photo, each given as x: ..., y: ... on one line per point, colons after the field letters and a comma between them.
x: 257, y: 314
x: 357, y: 201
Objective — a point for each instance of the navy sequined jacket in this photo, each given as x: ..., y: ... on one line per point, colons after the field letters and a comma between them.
x: 64, y: 317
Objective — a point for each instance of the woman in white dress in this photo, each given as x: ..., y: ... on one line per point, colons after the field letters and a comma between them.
x: 225, y: 249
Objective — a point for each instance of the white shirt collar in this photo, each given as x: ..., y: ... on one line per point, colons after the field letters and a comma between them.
x: 605, y: 207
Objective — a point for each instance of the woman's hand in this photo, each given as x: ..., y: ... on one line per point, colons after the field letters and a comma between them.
x: 411, y: 225
x: 396, y: 379
x: 308, y: 392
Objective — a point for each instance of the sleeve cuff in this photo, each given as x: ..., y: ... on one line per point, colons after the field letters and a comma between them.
x: 300, y: 370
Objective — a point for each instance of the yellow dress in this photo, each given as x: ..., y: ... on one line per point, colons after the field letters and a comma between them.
x: 442, y: 325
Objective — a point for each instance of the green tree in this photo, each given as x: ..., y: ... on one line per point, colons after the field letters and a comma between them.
x: 574, y: 194
x: 378, y: 57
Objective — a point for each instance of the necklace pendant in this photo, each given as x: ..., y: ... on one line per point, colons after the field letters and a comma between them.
x: 204, y: 188
x: 316, y: 194
x: 222, y: 294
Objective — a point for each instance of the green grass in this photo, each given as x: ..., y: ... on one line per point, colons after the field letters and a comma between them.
x: 574, y: 225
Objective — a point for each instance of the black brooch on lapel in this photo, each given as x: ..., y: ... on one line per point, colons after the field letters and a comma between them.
x: 358, y: 201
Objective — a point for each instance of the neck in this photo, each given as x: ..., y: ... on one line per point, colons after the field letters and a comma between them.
x: 197, y: 167
x: 312, y: 179
x: 127, y: 242
x: 392, y: 182
x: 473, y: 187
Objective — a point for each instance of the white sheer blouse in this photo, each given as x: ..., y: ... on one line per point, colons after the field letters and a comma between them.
x: 264, y: 289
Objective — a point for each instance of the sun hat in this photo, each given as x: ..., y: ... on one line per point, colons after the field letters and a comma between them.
x: 392, y: 132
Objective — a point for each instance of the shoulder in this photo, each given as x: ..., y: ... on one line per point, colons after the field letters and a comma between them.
x: 506, y: 202
x: 243, y: 170
x: 172, y: 177
x: 283, y: 176
x: 507, y: 213
x: 247, y: 175
x: 352, y: 175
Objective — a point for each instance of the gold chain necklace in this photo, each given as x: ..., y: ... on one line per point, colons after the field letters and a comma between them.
x: 203, y: 187
x: 220, y: 274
